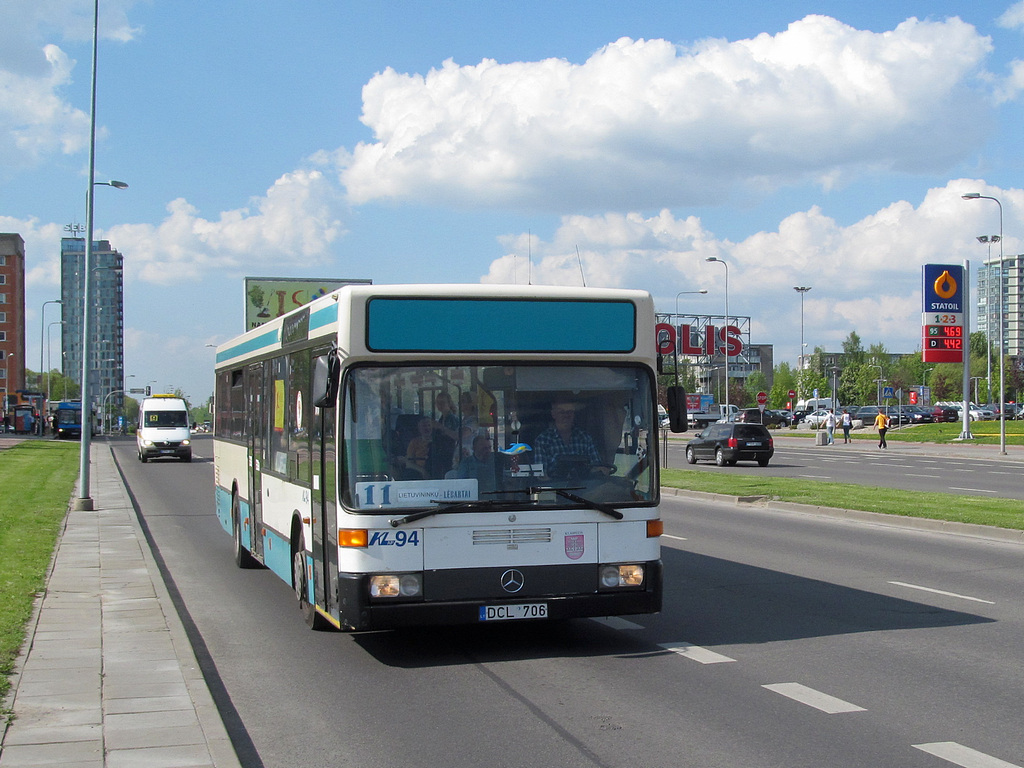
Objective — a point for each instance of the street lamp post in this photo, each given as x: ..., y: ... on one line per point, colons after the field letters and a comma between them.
x: 675, y: 351
x: 1002, y: 340
x: 7, y: 385
x: 84, y: 502
x: 42, y: 334
x: 989, y: 239
x: 878, y: 384
x: 801, y: 289
x: 49, y: 367
x: 726, y: 334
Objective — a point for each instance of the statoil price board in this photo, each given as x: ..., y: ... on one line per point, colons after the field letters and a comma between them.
x: 943, y: 336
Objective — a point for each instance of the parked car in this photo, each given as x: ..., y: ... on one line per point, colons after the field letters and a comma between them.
x: 726, y: 443
x: 914, y: 414
x: 785, y: 417
x: 756, y: 416
x: 944, y: 414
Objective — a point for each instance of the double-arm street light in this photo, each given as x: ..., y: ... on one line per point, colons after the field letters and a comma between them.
x: 988, y: 240
x: 1002, y: 340
x: 726, y: 329
x: 42, y: 338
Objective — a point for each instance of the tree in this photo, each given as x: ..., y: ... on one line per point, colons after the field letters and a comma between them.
x: 756, y: 382
x: 785, y: 380
x: 853, y: 350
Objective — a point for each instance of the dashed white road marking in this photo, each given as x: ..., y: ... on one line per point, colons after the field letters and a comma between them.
x: 941, y: 592
x: 813, y: 698
x: 972, y: 490
x: 696, y: 653
x: 963, y: 756
x: 676, y: 538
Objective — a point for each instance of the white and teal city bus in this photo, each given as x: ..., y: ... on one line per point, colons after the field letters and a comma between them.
x: 442, y: 454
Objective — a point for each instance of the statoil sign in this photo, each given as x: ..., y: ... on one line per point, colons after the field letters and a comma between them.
x: 943, y: 330
x: 707, y: 340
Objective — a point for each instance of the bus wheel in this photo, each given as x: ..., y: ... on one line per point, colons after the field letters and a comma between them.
x: 243, y: 557
x: 300, y: 583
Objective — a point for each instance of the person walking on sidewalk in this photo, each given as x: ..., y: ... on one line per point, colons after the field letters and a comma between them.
x: 882, y: 425
x: 830, y: 427
x: 846, y: 421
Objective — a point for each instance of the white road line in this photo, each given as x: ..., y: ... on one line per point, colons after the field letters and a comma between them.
x: 677, y: 538
x: 813, y: 698
x: 817, y: 477
x: 972, y: 490
x: 963, y: 756
x: 941, y: 592
x: 616, y: 622
x: 911, y: 474
x: 696, y: 653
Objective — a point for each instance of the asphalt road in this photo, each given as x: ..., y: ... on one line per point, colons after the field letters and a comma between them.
x: 787, y: 640
x: 909, y: 468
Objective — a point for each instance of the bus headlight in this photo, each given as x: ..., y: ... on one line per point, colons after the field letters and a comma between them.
x: 396, y: 585
x: 616, y: 576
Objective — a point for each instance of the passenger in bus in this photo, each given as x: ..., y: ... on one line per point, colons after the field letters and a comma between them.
x: 417, y: 456
x: 563, y: 439
x: 479, y: 466
x: 446, y: 435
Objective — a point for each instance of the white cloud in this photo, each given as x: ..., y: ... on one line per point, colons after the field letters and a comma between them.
x: 865, y: 277
x: 1013, y: 17
x: 36, y: 118
x: 291, y: 227
x: 643, y: 123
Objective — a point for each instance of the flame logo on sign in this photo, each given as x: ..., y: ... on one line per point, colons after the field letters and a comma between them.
x: 945, y: 285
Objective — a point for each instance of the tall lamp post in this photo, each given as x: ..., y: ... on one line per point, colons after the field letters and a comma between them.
x: 49, y: 374
x: 83, y: 501
x: 801, y: 289
x: 1002, y: 340
x: 7, y: 383
x: 726, y: 334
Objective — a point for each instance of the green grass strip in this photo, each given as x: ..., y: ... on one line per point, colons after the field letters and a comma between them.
x: 36, y: 482
x: 1002, y: 513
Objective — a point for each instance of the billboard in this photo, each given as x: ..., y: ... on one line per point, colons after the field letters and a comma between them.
x: 270, y: 297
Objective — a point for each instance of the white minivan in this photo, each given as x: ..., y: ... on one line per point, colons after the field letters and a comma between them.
x: 164, y: 428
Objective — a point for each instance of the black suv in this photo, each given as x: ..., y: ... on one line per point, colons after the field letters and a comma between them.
x: 766, y: 417
x: 728, y: 443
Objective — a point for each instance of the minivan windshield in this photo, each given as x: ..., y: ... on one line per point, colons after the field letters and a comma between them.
x: 166, y: 419
x: 499, y: 436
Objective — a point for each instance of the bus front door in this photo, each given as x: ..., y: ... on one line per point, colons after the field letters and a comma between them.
x: 325, y: 511
x: 255, y: 430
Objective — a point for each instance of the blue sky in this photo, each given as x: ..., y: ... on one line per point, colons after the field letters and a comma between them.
x: 823, y: 144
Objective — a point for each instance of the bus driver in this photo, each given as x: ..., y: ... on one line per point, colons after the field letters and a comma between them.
x: 564, y: 439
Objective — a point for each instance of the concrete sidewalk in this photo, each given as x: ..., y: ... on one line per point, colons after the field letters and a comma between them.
x: 107, y: 676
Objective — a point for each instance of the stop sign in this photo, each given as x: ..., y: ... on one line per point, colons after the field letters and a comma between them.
x: 762, y: 398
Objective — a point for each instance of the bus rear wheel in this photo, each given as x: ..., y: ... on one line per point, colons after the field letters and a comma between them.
x: 243, y: 557
x: 300, y: 583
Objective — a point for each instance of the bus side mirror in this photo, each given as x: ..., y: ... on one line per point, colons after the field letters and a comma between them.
x: 677, y: 415
x: 326, y: 372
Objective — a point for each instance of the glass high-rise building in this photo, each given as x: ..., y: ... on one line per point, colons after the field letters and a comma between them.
x: 106, y: 369
x: 1012, y: 301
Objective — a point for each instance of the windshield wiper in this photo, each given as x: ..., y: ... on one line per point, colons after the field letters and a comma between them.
x: 442, y: 506
x: 566, y: 493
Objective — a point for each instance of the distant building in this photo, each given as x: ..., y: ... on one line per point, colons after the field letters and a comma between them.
x: 107, y: 298
x: 1013, y: 302
x: 12, y: 312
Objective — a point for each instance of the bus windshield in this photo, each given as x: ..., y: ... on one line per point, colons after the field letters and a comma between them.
x: 524, y: 435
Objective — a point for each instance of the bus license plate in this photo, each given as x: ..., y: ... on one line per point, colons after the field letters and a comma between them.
x: 513, y: 612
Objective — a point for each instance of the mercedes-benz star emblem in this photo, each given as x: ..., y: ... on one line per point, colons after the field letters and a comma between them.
x: 512, y: 580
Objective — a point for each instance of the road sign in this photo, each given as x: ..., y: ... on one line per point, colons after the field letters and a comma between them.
x: 888, y: 392
x: 792, y: 393
x: 762, y: 399
x: 137, y: 391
